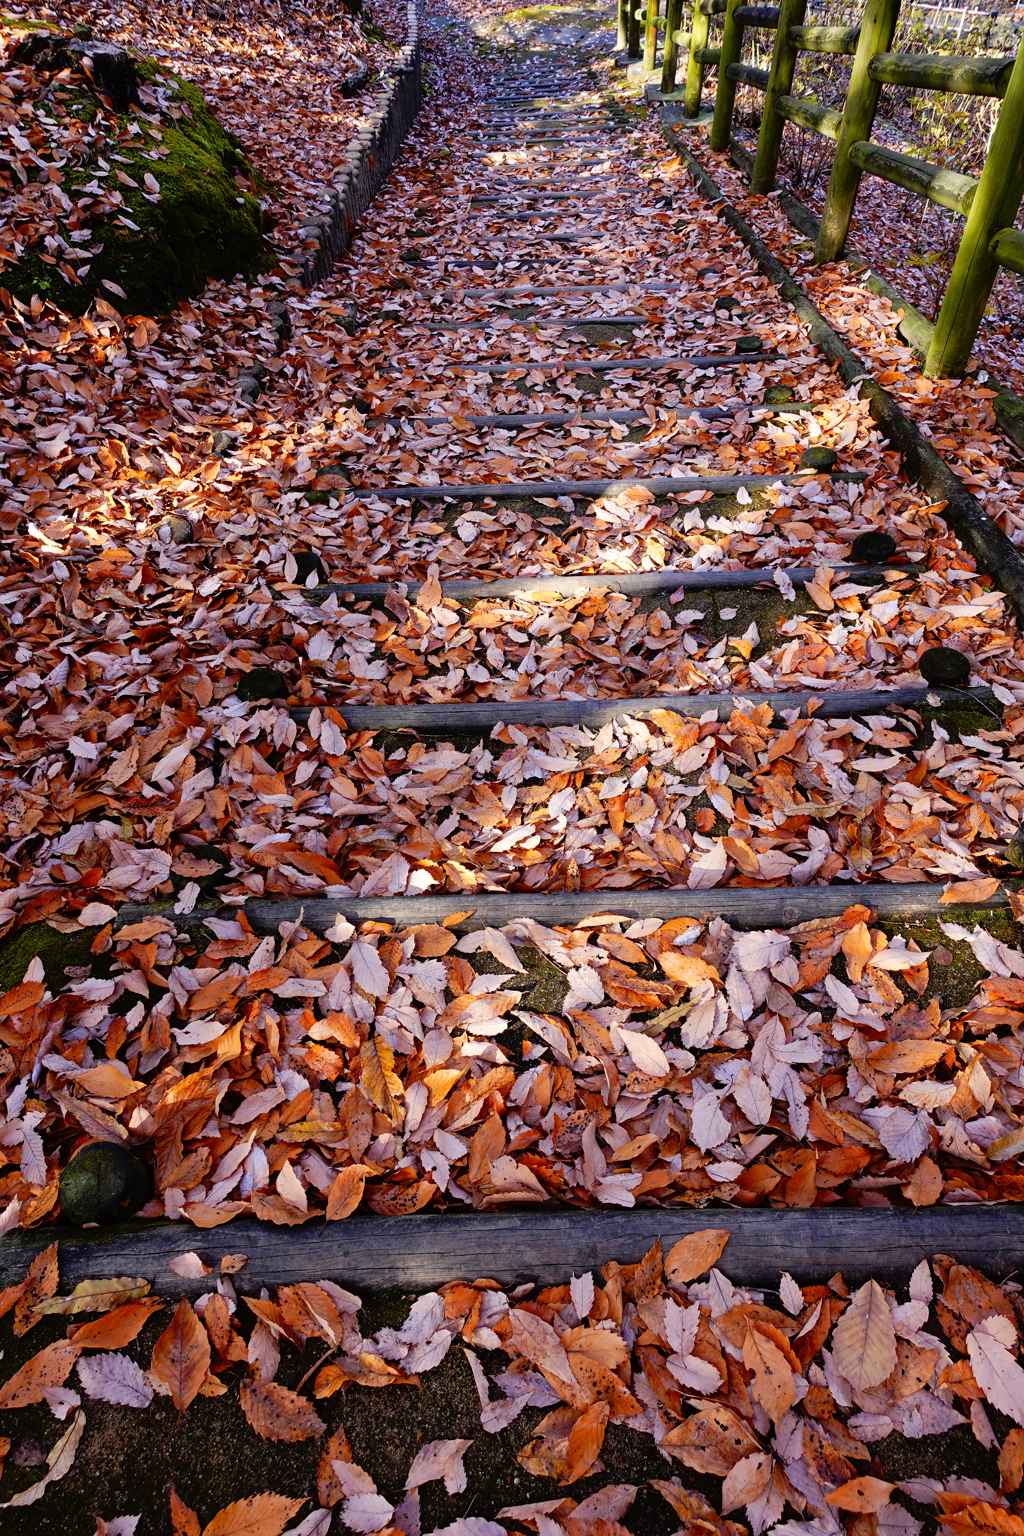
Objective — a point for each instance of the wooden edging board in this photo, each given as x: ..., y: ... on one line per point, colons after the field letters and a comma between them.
x: 487, y: 713
x: 658, y: 485
x: 633, y: 584
x: 743, y: 906
x: 418, y: 1253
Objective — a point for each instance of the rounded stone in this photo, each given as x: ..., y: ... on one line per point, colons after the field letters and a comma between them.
x: 179, y: 529
x: 873, y: 547
x: 411, y: 257
x: 708, y: 272
x: 821, y: 459
x: 103, y: 1183
x: 749, y: 344
x: 944, y: 667
x: 398, y: 283
x: 308, y: 564
x: 779, y: 394
x: 727, y: 302
x: 261, y: 683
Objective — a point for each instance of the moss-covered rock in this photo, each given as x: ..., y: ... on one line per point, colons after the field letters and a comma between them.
x: 203, y: 224
x: 104, y: 1182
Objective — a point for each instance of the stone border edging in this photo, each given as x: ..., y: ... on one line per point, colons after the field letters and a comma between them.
x: 368, y: 160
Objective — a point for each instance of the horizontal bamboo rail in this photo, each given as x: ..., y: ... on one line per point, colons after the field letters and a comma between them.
x: 825, y: 121
x: 1008, y: 249
x: 825, y: 39
x: 764, y: 16
x: 937, y: 72
x: 948, y: 189
x: 748, y: 74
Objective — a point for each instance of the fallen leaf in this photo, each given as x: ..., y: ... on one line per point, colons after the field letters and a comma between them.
x: 692, y: 1256
x: 181, y: 1356
x: 864, y: 1341
x: 276, y: 1413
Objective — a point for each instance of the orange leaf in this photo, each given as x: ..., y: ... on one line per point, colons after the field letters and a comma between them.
x: 27, y: 995
x: 969, y: 890
x: 586, y: 1440
x: 861, y: 1495
x: 264, y: 1514
x: 117, y: 1328
x: 181, y: 1356
x: 694, y: 1255
x: 184, y: 1521
x: 1011, y: 1461
x: 40, y: 1284
x: 328, y: 1486
x: 346, y: 1192
x: 773, y: 1385
x: 46, y: 1370
x: 275, y: 1413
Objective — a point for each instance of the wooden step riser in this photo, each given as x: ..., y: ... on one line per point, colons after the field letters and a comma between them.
x: 422, y: 1252
x: 480, y: 719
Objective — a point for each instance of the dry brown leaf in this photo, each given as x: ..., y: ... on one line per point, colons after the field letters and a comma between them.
x: 773, y: 1385
x: 925, y: 1183
x: 328, y: 1487
x: 263, y: 1514
x: 711, y: 1440
x: 46, y: 1370
x: 864, y: 1341
x: 346, y: 1192
x: 94, y: 1296
x: 1011, y: 1461
x: 117, y: 1328
x: 692, y: 1256
x: 276, y: 1413
x: 181, y: 1356
x: 969, y: 890
x: 39, y: 1285
x: 585, y: 1441
x: 184, y: 1521
x: 861, y: 1495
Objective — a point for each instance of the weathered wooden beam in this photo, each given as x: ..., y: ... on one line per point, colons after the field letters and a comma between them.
x: 713, y: 7
x: 825, y: 39
x: 1008, y: 249
x: 608, y: 364
x: 422, y: 1252
x: 806, y: 114
x: 660, y: 485
x: 878, y: 27
x: 949, y: 189
x: 766, y: 17
x: 634, y: 584
x: 941, y: 72
x: 780, y: 82
x: 707, y: 56
x: 994, y: 207
x: 482, y: 717
x: 651, y: 23
x: 748, y: 74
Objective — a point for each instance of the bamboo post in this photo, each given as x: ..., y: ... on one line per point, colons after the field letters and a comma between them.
x: 670, y: 54
x: 651, y: 35
x: 622, y: 25
x: 994, y: 208
x: 780, y: 82
x: 633, y: 42
x: 725, y: 96
x: 876, y: 35
x: 695, y: 69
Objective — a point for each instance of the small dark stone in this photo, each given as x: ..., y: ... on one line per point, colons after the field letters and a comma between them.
x: 28, y: 1451
x: 727, y: 302
x: 708, y: 272
x: 398, y: 283
x: 821, y: 459
x: 223, y: 444
x: 779, y: 394
x: 308, y: 564
x: 104, y: 1182
x: 411, y: 257
x: 391, y: 314
x: 349, y: 318
x: 193, y: 864
x: 945, y: 667
x: 1014, y: 852
x: 749, y: 344
x: 873, y: 547
x: 178, y: 530
x: 663, y: 202
x: 261, y: 683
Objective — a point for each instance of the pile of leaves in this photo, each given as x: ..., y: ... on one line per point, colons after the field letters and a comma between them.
x: 614, y: 1063
x: 789, y: 1395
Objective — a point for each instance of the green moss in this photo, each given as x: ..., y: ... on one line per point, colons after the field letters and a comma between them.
x: 203, y: 227
x: 55, y: 950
